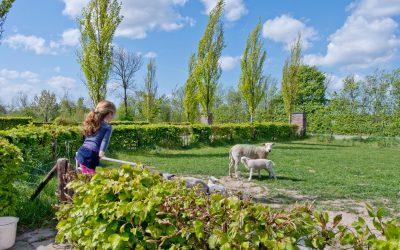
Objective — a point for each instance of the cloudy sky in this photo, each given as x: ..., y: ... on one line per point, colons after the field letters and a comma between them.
x: 39, y: 45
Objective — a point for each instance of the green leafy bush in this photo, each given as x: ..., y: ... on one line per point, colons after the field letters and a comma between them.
x: 127, y: 208
x: 10, y: 161
x: 12, y: 122
x: 36, y: 143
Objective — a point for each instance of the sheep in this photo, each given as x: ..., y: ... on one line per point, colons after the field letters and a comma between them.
x: 251, y: 151
x: 258, y: 164
x: 215, y: 188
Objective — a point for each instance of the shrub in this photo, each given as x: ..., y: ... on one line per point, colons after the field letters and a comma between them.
x: 12, y: 122
x: 36, y: 143
x: 64, y: 121
x: 10, y: 160
x: 127, y: 208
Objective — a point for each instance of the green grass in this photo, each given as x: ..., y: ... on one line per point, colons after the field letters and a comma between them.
x: 361, y: 171
x: 345, y: 169
x: 39, y: 212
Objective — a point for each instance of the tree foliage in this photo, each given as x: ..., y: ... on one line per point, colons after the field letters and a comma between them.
x: 5, y: 6
x: 290, y: 77
x: 46, y: 105
x: 190, y: 99
x: 99, y: 21
x: 253, y: 83
x: 311, y: 86
x: 207, y: 70
x: 150, y: 103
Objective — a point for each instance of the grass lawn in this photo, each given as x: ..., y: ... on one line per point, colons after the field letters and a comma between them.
x: 339, y: 170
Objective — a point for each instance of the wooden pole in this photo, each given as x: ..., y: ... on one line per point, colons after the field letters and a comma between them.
x: 42, y: 184
x: 62, y: 169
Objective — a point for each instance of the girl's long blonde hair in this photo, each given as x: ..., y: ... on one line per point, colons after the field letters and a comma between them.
x: 93, y: 119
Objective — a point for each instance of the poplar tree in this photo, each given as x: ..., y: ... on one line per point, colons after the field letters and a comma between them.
x: 100, y: 19
x: 207, y: 70
x: 253, y: 83
x: 190, y: 100
x: 150, y: 103
x: 290, y: 77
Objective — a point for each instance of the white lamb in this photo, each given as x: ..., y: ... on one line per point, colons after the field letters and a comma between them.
x: 251, y: 151
x: 257, y: 165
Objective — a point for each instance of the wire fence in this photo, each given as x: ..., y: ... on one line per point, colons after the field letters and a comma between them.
x: 37, y: 170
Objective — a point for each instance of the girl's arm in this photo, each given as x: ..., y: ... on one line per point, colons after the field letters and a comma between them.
x: 105, y: 141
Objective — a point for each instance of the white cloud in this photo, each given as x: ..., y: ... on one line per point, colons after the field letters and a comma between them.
x: 229, y: 62
x: 7, y: 74
x: 61, y: 82
x: 57, y: 69
x: 32, y: 43
x: 140, y: 16
x: 335, y: 82
x: 70, y: 37
x: 285, y: 29
x: 13, y: 82
x: 150, y: 54
x: 73, y: 8
x: 367, y: 39
x: 234, y: 9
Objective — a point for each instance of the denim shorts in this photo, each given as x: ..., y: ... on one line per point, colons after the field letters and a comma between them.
x: 88, y: 157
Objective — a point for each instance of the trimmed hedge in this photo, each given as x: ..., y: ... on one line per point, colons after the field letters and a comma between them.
x: 10, y: 161
x: 128, y: 208
x: 133, y: 136
x: 36, y: 143
x: 12, y: 122
x: 347, y: 123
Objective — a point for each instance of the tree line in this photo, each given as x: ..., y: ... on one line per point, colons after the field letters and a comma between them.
x: 257, y: 97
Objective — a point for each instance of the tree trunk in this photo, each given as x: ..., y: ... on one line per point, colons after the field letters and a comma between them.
x: 251, y: 118
x: 126, y: 103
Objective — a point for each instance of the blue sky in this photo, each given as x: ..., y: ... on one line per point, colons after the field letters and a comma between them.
x: 344, y: 37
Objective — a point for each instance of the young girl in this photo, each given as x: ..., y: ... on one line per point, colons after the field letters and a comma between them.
x: 97, y: 131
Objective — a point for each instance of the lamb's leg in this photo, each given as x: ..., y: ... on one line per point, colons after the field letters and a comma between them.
x: 251, y: 173
x: 230, y: 166
x: 271, y: 173
x: 236, y: 169
x: 259, y: 174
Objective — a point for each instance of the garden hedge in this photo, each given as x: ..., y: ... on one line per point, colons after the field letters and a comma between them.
x: 12, y: 122
x: 36, y: 143
x: 10, y: 161
x: 128, y: 208
x: 134, y: 136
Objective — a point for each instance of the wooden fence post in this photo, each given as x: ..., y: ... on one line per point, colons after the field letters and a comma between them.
x: 63, y: 179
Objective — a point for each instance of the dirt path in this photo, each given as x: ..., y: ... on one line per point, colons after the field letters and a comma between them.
x: 281, y: 198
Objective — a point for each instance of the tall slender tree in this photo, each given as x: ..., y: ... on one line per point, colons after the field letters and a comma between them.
x: 5, y: 6
x: 253, y: 83
x: 125, y: 66
x: 207, y: 70
x: 150, y: 107
x: 190, y: 99
x: 100, y: 19
x: 290, y: 77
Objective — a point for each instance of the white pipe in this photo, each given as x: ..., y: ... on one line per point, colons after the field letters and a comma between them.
x: 118, y: 161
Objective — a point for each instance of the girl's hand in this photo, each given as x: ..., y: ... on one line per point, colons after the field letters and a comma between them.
x: 101, y: 154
